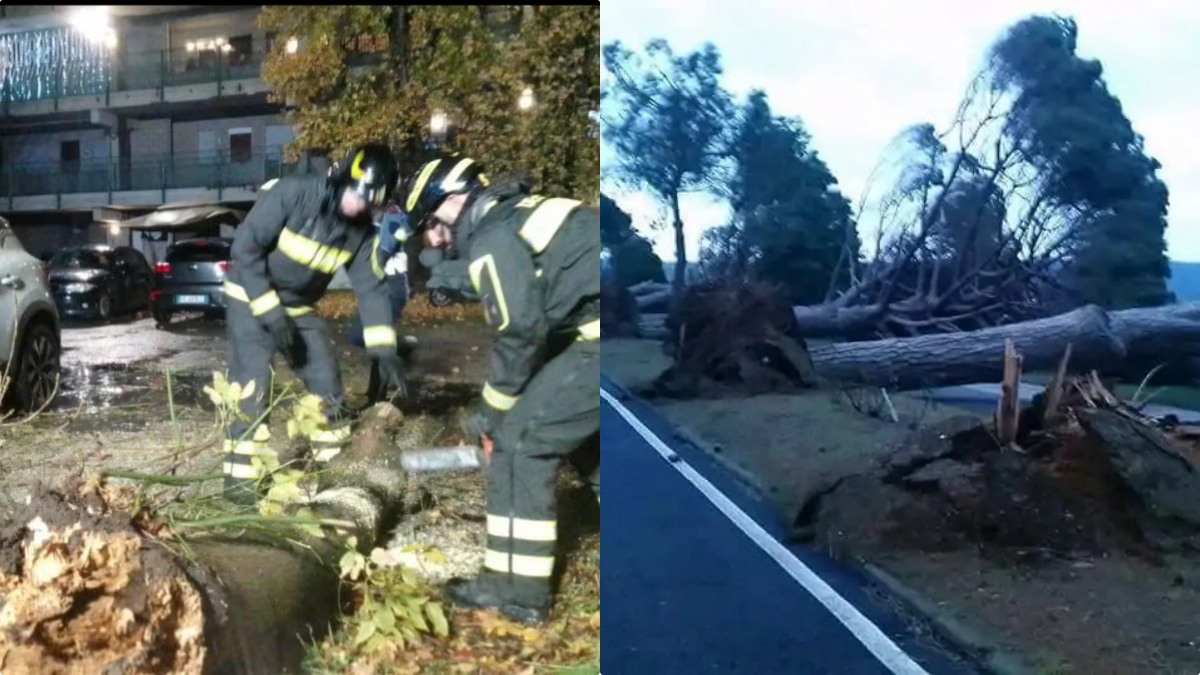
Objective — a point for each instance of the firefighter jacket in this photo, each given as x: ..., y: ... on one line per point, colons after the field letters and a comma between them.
x: 290, y: 245
x: 535, y: 262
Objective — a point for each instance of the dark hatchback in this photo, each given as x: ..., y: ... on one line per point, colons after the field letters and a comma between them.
x: 190, y: 279
x: 98, y: 281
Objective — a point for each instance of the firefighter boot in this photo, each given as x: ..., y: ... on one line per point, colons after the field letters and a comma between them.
x: 247, y: 465
x: 515, y: 598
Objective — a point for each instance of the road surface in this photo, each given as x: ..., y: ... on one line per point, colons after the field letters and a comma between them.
x: 695, y: 579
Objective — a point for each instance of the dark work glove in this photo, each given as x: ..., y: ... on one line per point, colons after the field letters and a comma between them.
x: 480, y: 422
x: 391, y: 377
x: 287, y: 340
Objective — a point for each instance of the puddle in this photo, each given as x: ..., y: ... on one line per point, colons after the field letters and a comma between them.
x: 102, y: 387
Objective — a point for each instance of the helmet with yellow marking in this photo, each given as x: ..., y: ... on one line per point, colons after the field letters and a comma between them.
x: 424, y: 191
x: 369, y: 171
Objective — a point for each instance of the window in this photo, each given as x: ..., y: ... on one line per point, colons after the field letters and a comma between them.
x: 241, y: 145
x: 241, y: 48
x: 68, y: 155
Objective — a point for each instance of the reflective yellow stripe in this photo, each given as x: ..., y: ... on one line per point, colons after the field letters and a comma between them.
x: 476, y: 270
x: 545, y: 221
x: 525, y: 530
x: 356, y: 170
x: 379, y: 336
x: 375, y: 268
x: 312, y: 254
x: 242, y: 471
x: 496, y: 399
x: 453, y: 180
x: 238, y: 293
x: 590, y: 330
x: 264, y: 303
x: 522, y: 565
x: 419, y: 185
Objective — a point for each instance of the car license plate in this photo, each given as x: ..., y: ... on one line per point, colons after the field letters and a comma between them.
x: 191, y: 299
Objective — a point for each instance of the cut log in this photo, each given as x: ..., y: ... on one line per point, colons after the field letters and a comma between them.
x: 89, y: 588
x: 1107, y: 342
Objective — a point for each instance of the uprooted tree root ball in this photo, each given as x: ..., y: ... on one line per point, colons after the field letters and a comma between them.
x: 1095, y: 477
x: 738, y: 336
x: 85, y: 592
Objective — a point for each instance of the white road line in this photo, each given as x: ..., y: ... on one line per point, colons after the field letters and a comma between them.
x: 879, y: 644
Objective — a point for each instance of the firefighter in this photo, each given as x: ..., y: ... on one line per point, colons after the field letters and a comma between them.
x: 393, y: 234
x: 285, y: 253
x: 535, y: 263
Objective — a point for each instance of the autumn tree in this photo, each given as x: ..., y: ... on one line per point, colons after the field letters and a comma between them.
x: 352, y: 74
x: 667, y: 121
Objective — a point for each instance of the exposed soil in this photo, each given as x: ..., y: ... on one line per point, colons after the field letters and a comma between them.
x: 1047, y: 556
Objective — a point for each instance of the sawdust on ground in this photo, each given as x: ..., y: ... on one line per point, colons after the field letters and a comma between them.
x: 1102, y: 615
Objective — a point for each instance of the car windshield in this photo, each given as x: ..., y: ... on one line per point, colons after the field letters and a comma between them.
x: 198, y: 253
x: 80, y: 259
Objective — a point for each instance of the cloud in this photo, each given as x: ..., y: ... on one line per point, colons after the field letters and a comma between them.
x: 860, y: 71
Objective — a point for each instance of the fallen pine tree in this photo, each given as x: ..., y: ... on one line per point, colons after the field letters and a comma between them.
x: 93, y: 583
x: 710, y: 334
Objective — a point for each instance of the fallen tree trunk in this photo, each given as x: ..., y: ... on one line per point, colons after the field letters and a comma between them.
x: 92, y: 587
x: 1125, y: 343
x: 1106, y: 342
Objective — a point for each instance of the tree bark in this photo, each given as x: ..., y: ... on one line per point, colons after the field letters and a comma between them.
x: 1126, y: 343
x: 1099, y: 341
x: 87, y: 591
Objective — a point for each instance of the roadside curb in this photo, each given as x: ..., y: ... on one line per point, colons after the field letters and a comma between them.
x: 993, y: 659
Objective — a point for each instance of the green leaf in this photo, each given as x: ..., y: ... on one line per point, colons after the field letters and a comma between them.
x: 366, y: 630
x: 437, y: 619
x: 384, y: 619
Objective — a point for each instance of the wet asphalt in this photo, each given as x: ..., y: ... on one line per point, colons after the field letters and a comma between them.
x: 115, y: 363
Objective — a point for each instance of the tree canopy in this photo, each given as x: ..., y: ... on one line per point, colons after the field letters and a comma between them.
x: 361, y: 73
x: 670, y: 125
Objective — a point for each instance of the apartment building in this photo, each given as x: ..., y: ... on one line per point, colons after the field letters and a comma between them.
x: 110, y: 112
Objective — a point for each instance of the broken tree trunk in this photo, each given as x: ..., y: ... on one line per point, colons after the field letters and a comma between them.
x: 90, y: 588
x: 1104, y: 341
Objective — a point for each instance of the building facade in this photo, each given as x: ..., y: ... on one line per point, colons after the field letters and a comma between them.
x: 107, y: 113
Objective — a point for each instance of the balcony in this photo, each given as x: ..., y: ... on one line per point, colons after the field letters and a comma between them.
x: 138, y: 182
x: 140, y: 79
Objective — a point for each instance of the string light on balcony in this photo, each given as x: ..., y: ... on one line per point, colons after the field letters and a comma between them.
x: 526, y: 101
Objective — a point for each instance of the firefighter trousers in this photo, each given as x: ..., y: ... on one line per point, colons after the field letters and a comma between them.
x: 251, y: 353
x: 558, y: 412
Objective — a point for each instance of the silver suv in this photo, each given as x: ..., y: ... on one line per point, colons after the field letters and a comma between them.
x: 29, y: 332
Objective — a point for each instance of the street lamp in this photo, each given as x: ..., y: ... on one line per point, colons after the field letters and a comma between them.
x: 93, y: 23
x: 292, y: 45
x: 439, y: 123
x: 525, y: 101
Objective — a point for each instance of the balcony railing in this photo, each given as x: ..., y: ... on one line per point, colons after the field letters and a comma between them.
x: 149, y: 70
x: 163, y: 173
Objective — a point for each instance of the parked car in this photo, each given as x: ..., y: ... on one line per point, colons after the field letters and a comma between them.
x: 190, y: 279
x: 97, y: 281
x: 29, y: 329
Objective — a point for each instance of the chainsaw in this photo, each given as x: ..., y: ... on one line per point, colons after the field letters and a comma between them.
x: 447, y: 458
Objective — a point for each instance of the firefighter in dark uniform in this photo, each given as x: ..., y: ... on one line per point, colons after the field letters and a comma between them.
x: 535, y: 262
x: 285, y: 253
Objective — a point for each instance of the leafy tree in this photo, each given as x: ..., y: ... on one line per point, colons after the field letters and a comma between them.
x: 792, y: 220
x: 1074, y: 132
x: 634, y: 259
x: 363, y: 73
x: 669, y: 126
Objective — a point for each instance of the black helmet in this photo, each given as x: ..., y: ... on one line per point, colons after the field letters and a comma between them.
x: 425, y: 190
x: 369, y: 171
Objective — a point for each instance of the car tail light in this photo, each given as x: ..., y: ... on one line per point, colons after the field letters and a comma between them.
x: 154, y: 295
x: 162, y: 268
x: 223, y: 267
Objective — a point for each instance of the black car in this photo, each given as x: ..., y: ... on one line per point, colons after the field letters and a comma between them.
x: 98, y: 281
x: 190, y: 279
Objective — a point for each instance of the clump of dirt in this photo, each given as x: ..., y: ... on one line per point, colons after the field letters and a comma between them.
x: 85, y: 593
